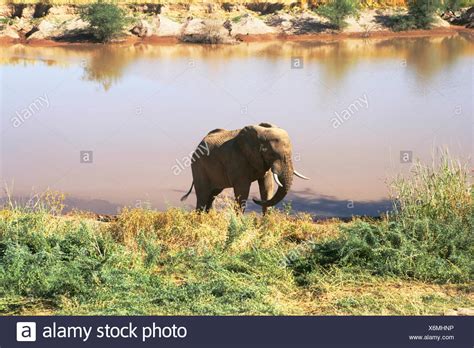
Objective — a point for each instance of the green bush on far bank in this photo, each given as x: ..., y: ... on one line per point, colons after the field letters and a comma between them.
x: 106, y: 20
x: 336, y: 11
x: 420, y: 15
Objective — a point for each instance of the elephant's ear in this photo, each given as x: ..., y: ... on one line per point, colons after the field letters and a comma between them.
x: 250, y: 144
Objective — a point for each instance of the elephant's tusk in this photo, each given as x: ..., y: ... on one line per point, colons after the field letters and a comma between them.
x: 300, y: 175
x: 277, y: 180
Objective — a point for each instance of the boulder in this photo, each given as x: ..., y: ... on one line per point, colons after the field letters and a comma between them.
x: 283, y: 21
x: 194, y: 27
x: 465, y: 17
x: 22, y: 25
x: 74, y: 25
x: 63, y: 10
x: 205, y: 31
x: 44, y: 30
x: 249, y: 25
x: 168, y: 27
x: 142, y: 29
x: 9, y: 33
x: 439, y: 22
x: 6, y: 11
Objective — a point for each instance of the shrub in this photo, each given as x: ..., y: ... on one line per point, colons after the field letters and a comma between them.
x: 422, y: 12
x: 336, y: 11
x: 106, y: 20
x: 429, y: 237
x: 452, y: 5
x: 420, y: 15
x: 440, y: 192
x: 400, y: 22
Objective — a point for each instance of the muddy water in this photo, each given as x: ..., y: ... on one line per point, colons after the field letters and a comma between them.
x: 350, y: 110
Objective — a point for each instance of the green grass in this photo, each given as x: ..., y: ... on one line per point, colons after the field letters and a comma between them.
x: 415, y: 261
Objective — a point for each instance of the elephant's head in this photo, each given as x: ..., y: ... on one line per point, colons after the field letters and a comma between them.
x: 269, y: 147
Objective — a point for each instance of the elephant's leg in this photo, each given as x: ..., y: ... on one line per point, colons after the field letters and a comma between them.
x: 203, y: 193
x: 212, y: 197
x: 265, y: 185
x: 241, y: 192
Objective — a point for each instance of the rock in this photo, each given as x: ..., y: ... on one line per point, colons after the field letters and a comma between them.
x: 439, y: 22
x: 22, y: 25
x: 75, y: 24
x: 62, y: 11
x: 168, y: 27
x: 468, y: 17
x: 143, y: 28
x: 44, y: 30
x: 9, y: 33
x: 194, y: 26
x: 283, y: 21
x: 28, y: 12
x: 249, y: 25
x: 6, y: 11
x: 205, y: 31
x: 465, y: 18
x: 308, y: 24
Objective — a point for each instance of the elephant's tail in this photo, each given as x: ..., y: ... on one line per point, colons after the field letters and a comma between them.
x: 187, y: 194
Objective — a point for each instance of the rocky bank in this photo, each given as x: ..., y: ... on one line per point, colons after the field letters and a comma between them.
x: 204, y: 23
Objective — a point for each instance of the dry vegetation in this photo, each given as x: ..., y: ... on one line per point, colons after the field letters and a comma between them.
x: 417, y: 261
x: 251, y: 3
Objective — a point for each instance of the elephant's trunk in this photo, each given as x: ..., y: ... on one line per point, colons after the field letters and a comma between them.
x: 284, y: 171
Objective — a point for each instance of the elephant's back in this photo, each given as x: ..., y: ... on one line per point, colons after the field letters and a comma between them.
x: 217, y: 137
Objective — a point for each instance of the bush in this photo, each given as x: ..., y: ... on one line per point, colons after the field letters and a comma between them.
x: 429, y: 237
x: 106, y: 20
x: 422, y: 12
x: 336, y: 11
x: 452, y: 5
x: 420, y: 15
x: 439, y: 192
x: 400, y: 22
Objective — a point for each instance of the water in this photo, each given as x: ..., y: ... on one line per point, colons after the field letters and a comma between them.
x: 350, y: 111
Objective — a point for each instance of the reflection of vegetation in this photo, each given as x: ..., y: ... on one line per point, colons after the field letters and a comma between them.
x: 426, y: 56
x: 107, y: 65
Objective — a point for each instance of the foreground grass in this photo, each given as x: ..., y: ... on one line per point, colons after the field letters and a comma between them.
x: 417, y: 261
x: 178, y: 262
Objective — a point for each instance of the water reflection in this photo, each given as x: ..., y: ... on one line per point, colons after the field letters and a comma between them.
x: 106, y: 64
x: 140, y: 108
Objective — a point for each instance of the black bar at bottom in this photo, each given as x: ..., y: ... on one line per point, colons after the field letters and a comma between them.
x: 62, y: 331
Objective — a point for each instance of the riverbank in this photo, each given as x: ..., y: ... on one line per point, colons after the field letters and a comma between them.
x: 183, y: 263
x: 45, y: 25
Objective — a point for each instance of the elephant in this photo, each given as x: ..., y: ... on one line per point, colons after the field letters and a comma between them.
x: 236, y: 158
